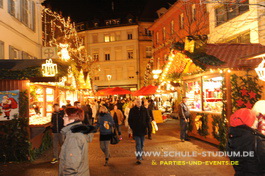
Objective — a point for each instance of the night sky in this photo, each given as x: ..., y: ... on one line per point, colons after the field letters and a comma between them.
x: 86, y: 10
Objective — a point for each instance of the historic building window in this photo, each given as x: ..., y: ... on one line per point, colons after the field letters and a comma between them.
x: 129, y: 36
x: 130, y: 54
x: 157, y: 37
x: 193, y: 12
x: 164, y: 33
x: 181, y: 21
x: 95, y: 56
x: 148, y: 51
x: 106, y: 38
x: 95, y: 38
x: 172, y: 27
x: 14, y: 53
x: 2, y: 45
x: 227, y: 12
x: 1, y: 3
x: 107, y: 57
x: 241, y: 38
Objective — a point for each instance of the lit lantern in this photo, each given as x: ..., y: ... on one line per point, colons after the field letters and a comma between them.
x: 261, y: 70
x: 64, y: 52
x: 49, y: 69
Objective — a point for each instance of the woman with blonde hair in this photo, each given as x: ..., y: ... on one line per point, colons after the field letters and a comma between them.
x: 126, y: 113
x: 105, y: 123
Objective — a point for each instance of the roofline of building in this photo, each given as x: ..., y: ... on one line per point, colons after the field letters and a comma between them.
x: 157, y: 21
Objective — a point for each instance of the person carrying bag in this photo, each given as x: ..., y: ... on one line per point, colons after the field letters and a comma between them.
x: 105, y: 124
x: 115, y: 136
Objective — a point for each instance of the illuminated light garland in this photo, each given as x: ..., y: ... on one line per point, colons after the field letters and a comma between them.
x: 64, y: 52
x: 260, y: 70
x: 60, y: 32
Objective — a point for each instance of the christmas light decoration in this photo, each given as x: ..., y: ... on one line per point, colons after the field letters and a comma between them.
x: 64, y: 52
x: 260, y: 70
x: 49, y: 69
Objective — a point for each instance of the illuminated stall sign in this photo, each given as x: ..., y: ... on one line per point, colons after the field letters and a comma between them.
x: 49, y: 69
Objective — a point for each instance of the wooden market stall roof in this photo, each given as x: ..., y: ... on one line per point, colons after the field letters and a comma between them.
x: 236, y: 55
x: 33, y: 66
x: 20, y: 64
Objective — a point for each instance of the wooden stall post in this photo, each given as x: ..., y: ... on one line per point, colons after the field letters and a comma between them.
x: 228, y: 95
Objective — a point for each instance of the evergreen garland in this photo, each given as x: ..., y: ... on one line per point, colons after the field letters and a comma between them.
x: 221, y: 136
x: 14, y: 135
x: 245, y: 91
x: 200, y: 59
x: 203, y: 131
x: 28, y: 73
x: 45, y: 145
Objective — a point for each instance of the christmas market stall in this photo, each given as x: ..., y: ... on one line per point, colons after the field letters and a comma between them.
x: 29, y: 88
x: 217, y: 79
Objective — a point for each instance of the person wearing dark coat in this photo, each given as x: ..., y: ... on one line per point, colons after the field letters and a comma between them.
x: 150, y: 112
x: 57, y: 125
x: 184, y: 115
x: 88, y: 114
x: 243, y: 138
x: 138, y: 122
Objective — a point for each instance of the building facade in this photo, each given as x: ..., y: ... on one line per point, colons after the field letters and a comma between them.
x: 241, y: 22
x: 21, y: 29
x: 120, y: 50
x: 174, y: 24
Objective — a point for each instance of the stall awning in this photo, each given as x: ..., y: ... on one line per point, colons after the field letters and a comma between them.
x: 136, y: 93
x: 148, y: 90
x: 237, y: 55
x: 113, y: 91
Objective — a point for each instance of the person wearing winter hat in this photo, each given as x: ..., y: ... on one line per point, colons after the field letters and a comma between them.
x: 74, y: 152
x: 243, y: 138
x: 259, y: 109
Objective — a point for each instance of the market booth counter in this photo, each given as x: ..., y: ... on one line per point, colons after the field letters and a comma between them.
x: 205, y: 103
x: 38, y: 125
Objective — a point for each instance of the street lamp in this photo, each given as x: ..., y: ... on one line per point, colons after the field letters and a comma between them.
x: 109, y: 78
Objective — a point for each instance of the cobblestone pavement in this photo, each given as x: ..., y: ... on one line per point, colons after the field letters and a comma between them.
x: 122, y: 161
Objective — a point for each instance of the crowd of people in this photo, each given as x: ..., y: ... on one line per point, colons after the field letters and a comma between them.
x: 73, y: 127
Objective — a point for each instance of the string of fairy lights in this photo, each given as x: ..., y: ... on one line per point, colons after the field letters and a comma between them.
x: 61, y: 33
x: 59, y: 30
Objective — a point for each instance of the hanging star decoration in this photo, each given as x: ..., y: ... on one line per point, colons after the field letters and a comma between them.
x: 244, y: 92
x: 252, y: 95
x: 240, y: 102
x: 248, y: 105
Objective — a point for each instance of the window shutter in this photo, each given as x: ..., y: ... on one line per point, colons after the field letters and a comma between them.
x: 33, y: 16
x: 2, y: 50
x: 21, y: 10
x: 11, y: 52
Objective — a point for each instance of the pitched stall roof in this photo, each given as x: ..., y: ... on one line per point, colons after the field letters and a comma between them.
x: 237, y: 55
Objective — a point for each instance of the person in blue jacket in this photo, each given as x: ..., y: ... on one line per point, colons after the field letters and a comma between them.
x: 105, y: 123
